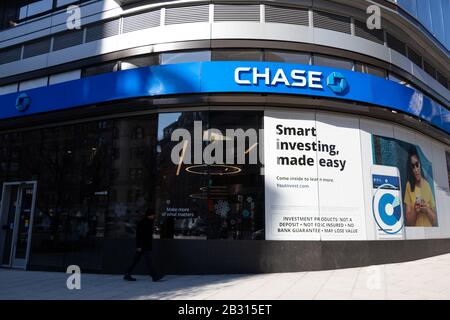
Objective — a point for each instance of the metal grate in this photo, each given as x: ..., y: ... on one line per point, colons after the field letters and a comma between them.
x: 142, y: 21
x: 332, y: 22
x: 396, y: 44
x: 414, y: 57
x: 230, y: 12
x: 361, y: 30
x: 187, y: 14
x: 102, y: 30
x: 10, y: 55
x: 36, y: 48
x: 67, y: 39
x: 287, y: 15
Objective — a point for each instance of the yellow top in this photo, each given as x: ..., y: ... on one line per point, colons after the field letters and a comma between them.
x: 423, y: 192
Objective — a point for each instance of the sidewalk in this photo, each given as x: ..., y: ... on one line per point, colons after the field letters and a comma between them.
x: 422, y: 279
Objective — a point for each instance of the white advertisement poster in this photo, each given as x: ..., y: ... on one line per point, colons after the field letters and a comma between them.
x: 313, y: 177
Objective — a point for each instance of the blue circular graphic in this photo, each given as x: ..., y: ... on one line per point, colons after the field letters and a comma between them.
x: 23, y: 101
x: 384, y: 219
x: 389, y: 219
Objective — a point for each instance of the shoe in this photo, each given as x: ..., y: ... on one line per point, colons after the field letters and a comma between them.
x: 128, y: 277
x: 157, y: 277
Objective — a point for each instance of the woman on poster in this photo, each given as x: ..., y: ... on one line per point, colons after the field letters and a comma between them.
x: 419, y: 200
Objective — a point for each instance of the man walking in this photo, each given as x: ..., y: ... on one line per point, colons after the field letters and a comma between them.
x: 144, y: 238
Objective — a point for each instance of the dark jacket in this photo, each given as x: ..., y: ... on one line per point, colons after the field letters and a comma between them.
x: 144, y: 234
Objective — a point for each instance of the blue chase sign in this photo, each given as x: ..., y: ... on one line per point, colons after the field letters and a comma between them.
x: 228, y: 77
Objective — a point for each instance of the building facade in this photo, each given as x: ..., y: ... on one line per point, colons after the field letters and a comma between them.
x: 267, y: 136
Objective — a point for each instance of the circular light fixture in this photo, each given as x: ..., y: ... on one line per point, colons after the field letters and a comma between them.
x: 214, y: 170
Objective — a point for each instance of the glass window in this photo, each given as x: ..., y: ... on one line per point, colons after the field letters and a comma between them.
x: 65, y: 76
x: 327, y: 61
x: 37, y: 7
x: 187, y: 56
x: 398, y: 79
x: 83, y: 190
x: 102, y: 68
x: 34, y: 83
x: 9, y: 13
x: 288, y: 57
x: 182, y: 195
x: 439, y: 76
x: 138, y: 62
x: 14, y: 12
x: 203, y: 199
x: 236, y: 190
x: 71, y: 166
x: 134, y: 187
x: 379, y: 72
x: 60, y: 3
x: 236, y: 55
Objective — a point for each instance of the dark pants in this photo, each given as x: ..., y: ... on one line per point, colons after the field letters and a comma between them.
x: 147, y: 253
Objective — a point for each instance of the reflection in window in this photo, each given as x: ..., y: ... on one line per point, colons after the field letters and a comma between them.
x: 182, y: 214
x: 139, y: 62
x: 83, y: 191
x: 102, y: 68
x: 236, y: 201
x: 326, y: 61
x: 236, y: 55
x: 34, y: 8
x: 400, y: 80
x: 134, y: 167
x: 217, y: 201
x: 187, y: 56
x: 370, y: 70
x: 288, y: 57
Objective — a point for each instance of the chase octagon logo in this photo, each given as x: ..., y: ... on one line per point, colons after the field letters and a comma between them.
x: 337, y: 83
x: 23, y: 102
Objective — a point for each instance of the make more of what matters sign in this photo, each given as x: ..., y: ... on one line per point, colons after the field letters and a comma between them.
x: 313, y: 177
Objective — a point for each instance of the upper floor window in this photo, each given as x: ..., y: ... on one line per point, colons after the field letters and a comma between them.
x: 287, y: 57
x: 187, y: 56
x: 364, y: 68
x: 102, y: 68
x: 138, y: 62
x: 12, y: 13
x: 32, y: 8
x: 237, y: 55
x: 327, y: 61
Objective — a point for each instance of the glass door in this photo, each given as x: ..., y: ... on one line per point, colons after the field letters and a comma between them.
x: 9, y: 204
x: 16, y: 219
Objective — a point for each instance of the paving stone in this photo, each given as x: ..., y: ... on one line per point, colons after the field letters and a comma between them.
x: 421, y: 279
